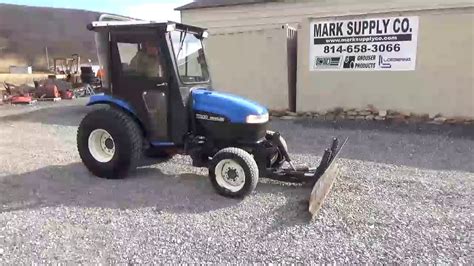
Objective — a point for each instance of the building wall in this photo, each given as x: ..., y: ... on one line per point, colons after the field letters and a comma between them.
x: 252, y: 64
x: 442, y: 82
x: 255, y: 16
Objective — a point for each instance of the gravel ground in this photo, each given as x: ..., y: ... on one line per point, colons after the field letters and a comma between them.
x: 405, y: 197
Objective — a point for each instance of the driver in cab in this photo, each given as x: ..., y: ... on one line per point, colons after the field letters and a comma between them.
x: 147, y: 62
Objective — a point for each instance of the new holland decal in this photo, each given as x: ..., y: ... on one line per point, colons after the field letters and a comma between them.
x: 210, y: 117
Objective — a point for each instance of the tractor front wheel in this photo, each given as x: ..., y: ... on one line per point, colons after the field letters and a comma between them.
x: 110, y: 143
x: 233, y: 173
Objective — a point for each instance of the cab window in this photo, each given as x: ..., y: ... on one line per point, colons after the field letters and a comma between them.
x: 141, y: 59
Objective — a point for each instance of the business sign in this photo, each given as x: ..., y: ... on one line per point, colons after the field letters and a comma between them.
x: 376, y: 44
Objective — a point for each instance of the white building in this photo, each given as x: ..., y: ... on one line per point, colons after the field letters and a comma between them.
x: 439, y: 78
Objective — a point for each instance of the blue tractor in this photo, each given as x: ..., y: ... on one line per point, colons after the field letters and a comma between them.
x: 159, y: 102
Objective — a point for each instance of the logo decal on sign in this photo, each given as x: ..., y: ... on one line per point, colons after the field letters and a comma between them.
x: 382, y: 64
x: 327, y: 62
x: 349, y: 62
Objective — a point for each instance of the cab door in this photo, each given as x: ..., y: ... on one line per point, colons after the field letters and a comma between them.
x: 140, y: 78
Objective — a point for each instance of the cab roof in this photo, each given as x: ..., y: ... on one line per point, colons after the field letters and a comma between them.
x: 101, y: 26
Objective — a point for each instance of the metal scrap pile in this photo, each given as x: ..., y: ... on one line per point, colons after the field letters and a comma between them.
x: 49, y: 90
x: 17, y: 94
x: 54, y: 88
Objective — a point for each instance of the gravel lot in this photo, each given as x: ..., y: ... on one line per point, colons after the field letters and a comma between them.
x: 405, y: 197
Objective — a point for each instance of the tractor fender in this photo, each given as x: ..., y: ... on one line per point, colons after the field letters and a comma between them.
x: 116, y: 103
x: 109, y: 100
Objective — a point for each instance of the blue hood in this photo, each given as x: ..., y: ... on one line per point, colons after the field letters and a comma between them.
x: 233, y: 107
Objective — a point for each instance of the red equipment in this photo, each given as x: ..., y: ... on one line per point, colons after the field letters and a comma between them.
x: 21, y: 99
x: 48, y: 90
x: 67, y: 95
x: 16, y: 95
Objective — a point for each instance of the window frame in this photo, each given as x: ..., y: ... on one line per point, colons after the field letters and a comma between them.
x: 134, y: 73
x: 175, y: 59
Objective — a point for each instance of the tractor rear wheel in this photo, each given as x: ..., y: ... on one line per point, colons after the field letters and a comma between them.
x: 110, y: 143
x: 233, y: 173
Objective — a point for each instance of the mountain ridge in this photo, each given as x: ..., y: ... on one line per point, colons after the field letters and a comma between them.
x: 26, y: 31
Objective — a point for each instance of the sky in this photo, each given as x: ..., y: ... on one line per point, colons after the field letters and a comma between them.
x: 142, y: 9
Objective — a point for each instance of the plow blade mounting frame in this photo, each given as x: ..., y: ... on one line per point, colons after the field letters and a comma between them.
x: 321, y: 178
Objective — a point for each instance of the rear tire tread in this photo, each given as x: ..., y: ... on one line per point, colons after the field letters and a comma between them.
x: 129, y: 129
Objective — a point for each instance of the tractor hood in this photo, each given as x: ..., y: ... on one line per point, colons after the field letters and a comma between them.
x: 233, y: 108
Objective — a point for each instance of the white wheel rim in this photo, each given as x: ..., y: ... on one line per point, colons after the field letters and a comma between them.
x: 101, y: 145
x: 230, y: 175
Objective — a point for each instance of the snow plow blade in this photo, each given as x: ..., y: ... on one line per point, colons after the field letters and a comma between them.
x: 320, y: 178
x: 325, y: 176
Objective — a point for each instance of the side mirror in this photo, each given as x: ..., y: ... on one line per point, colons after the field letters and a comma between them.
x: 202, y: 35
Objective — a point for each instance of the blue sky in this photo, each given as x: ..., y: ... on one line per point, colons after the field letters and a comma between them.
x: 144, y: 9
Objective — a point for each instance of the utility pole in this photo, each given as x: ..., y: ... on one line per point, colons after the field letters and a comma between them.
x: 47, y: 56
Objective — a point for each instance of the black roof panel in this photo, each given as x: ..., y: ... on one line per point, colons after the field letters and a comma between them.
x: 145, y: 25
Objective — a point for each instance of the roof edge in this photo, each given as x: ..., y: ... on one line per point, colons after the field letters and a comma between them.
x: 193, y: 5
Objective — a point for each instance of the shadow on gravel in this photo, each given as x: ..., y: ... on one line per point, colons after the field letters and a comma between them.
x: 72, y: 185
x: 69, y: 115
x: 437, y: 147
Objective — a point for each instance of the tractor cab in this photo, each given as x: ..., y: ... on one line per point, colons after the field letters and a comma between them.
x: 158, y: 72
x: 150, y: 70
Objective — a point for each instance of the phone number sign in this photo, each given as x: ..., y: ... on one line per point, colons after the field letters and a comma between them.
x: 376, y: 44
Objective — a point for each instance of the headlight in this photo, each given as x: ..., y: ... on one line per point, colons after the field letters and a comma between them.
x: 257, y: 119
